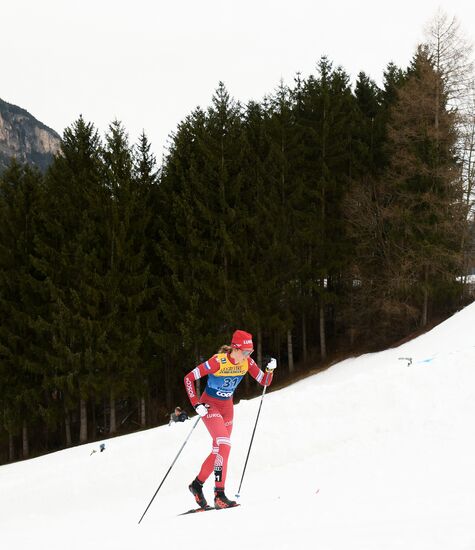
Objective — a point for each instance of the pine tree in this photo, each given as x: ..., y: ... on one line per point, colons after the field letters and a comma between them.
x: 324, y: 111
x: 261, y: 258
x: 285, y: 168
x: 199, y: 217
x: 22, y: 305
x: 71, y: 258
x: 369, y: 128
x: 146, y: 178
x: 367, y: 163
x: 186, y: 253
x: 127, y: 279
x: 223, y: 155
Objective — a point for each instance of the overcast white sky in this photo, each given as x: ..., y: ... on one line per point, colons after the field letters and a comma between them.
x: 148, y: 63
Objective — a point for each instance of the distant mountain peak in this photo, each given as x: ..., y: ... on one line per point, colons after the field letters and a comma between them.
x: 25, y: 138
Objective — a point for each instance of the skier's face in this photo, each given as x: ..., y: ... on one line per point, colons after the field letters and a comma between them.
x: 243, y: 354
x: 240, y: 355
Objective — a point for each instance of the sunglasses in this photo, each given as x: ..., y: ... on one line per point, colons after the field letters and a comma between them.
x: 247, y: 352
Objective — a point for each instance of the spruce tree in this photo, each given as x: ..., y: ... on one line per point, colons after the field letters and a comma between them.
x: 200, y: 217
x: 368, y: 162
x: 285, y: 169
x: 186, y: 251
x: 127, y: 278
x: 23, y: 345
x: 324, y: 111
x: 258, y: 234
x: 71, y: 258
x: 146, y: 177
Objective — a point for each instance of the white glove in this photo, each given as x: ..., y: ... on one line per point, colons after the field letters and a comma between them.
x: 201, y: 409
x: 271, y: 365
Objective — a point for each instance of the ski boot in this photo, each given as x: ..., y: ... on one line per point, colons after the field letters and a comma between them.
x: 221, y: 500
x: 196, y: 489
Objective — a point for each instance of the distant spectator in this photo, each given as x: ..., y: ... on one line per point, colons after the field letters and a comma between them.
x: 178, y: 416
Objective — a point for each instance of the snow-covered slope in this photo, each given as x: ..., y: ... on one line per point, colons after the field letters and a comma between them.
x: 370, y: 454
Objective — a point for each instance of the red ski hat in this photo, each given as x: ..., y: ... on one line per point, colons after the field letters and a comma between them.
x: 242, y: 340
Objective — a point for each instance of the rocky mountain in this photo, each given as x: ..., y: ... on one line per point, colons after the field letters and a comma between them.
x: 25, y: 138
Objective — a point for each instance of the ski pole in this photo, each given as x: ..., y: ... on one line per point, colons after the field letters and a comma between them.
x: 252, y: 439
x: 169, y: 469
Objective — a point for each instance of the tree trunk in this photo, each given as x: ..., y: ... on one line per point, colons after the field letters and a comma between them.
x: 11, y: 447
x: 113, y: 421
x: 304, y: 338
x: 143, y: 417
x: 25, y: 442
x: 168, y: 388
x: 94, y: 419
x: 352, y: 336
x: 425, y: 308
x: 67, y: 428
x: 82, y: 421
x: 323, y: 344
x: 290, y: 351
x: 46, y: 436
x: 351, y: 322
x: 425, y: 304
x: 104, y: 410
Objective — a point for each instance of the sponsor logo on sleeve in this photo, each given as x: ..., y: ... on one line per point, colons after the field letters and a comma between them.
x: 189, y: 388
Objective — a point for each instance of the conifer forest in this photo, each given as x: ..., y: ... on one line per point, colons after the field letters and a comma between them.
x: 332, y: 218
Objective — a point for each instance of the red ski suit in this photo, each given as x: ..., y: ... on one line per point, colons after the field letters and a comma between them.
x: 224, y: 376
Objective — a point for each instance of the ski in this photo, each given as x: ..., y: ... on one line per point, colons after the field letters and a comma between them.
x: 197, y: 510
x: 207, y: 509
x: 229, y: 507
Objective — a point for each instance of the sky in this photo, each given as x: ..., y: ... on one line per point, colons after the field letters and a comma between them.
x: 149, y: 63
x: 374, y: 453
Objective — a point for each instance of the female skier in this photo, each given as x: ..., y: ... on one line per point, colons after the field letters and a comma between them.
x: 225, y: 370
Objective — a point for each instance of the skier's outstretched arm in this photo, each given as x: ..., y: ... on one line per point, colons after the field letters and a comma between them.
x: 264, y: 378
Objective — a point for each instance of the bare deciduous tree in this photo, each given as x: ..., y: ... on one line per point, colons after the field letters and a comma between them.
x: 451, y: 54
